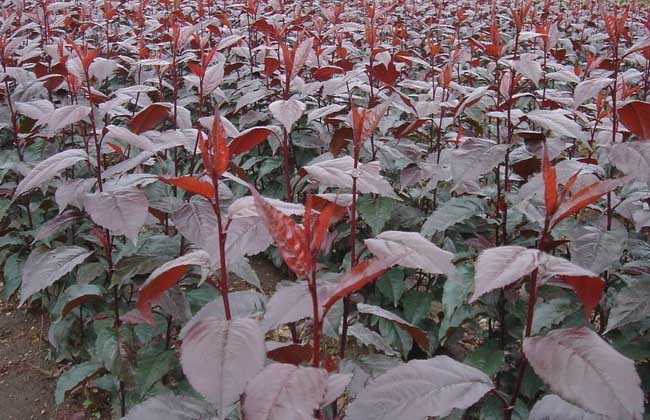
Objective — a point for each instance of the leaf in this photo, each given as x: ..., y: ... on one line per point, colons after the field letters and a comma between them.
x: 49, y: 168
x: 300, y: 55
x: 73, y: 377
x: 12, y: 275
x: 57, y: 223
x: 292, y: 353
x: 319, y: 113
x: 123, y: 212
x: 66, y: 115
x: 148, y: 118
x: 375, y: 211
x: 287, y: 235
x: 243, y: 304
x: 197, y: 222
x: 529, y: 68
x: 171, y: 407
x: 248, y: 139
x: 369, y: 337
x: 219, y: 357
x: 556, y: 121
x: 336, y: 385
x: 596, y: 248
x: 44, y: 267
x: 632, y: 158
x: 391, y: 285
x: 76, y: 295
x: 418, y: 335
x: 284, y: 392
x: 152, y: 365
x: 588, y: 89
x: 584, y: 197
x: 453, y: 211
x: 191, y: 184
x: 487, y: 358
x: 552, y: 407
x: 125, y: 135
x: 635, y: 116
x: 339, y: 172
x: 292, y: 303
x: 219, y: 148
x: 165, y: 277
x: 501, y: 266
x: 588, y: 288
x: 360, y: 275
x: 583, y: 369
x: 550, y: 184
x: 632, y: 304
x: 552, y: 312
x: 418, y: 251
x: 287, y: 112
x: 327, y: 215
x: 420, y: 389
x: 364, y: 123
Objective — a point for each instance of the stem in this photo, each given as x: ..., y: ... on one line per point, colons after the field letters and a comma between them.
x: 316, y: 328
x: 353, y: 261
x: 223, y: 280
x: 532, y: 299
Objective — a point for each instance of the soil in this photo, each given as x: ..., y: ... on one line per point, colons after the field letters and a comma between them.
x: 27, y: 376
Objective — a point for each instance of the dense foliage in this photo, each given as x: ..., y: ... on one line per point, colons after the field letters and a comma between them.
x: 457, y: 195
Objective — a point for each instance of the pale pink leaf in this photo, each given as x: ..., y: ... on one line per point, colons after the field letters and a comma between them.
x: 420, y: 389
x: 219, y: 357
x: 585, y: 370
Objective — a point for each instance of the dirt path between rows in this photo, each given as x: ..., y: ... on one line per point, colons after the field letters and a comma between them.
x: 27, y: 377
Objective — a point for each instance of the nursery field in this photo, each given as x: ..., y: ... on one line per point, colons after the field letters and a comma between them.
x: 329, y: 210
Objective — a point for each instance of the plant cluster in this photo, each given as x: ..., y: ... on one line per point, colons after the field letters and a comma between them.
x: 457, y: 195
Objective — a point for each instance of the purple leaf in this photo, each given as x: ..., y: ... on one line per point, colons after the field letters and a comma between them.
x: 219, y: 357
x: 420, y: 389
x: 584, y: 370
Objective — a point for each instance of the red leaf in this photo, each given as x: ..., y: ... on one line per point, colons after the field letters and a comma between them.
x: 585, y: 197
x: 287, y: 235
x: 248, y: 139
x: 360, y: 275
x: 322, y: 224
x: 191, y: 184
x: 271, y: 64
x: 148, y: 118
x: 550, y: 184
x: 294, y: 353
x: 635, y: 116
x: 326, y: 72
x: 153, y: 288
x: 364, y: 123
x: 220, y: 149
x: 89, y: 57
x: 196, y: 69
x: 387, y: 75
x: 588, y: 289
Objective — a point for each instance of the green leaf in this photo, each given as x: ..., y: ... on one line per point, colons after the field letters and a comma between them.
x: 552, y: 312
x: 375, y: 212
x: 12, y: 275
x: 453, y: 211
x: 417, y: 305
x: 487, y: 358
x: 74, y: 377
x: 152, y: 365
x: 76, y: 295
x: 632, y: 305
x: 391, y: 285
x: 454, y: 298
